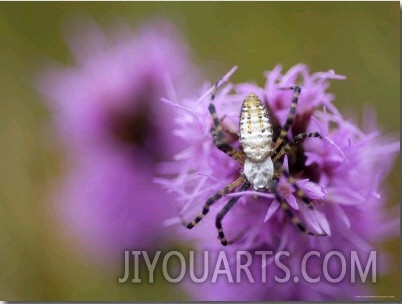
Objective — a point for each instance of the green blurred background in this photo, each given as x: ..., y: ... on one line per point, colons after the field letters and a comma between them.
x: 38, y: 261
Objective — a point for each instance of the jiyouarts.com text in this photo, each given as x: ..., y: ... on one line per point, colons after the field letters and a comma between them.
x: 237, y: 266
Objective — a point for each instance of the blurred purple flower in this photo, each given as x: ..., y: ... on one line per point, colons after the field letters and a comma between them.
x: 343, y: 173
x: 109, y: 116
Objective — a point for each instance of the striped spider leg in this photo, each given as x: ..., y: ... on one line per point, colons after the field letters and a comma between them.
x: 219, y: 138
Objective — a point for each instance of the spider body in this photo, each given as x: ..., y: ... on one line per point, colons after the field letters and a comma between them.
x: 259, y: 156
x: 256, y: 140
x: 255, y: 129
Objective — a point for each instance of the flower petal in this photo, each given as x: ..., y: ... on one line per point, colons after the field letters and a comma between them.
x: 292, y: 201
x: 312, y: 190
x: 271, y: 209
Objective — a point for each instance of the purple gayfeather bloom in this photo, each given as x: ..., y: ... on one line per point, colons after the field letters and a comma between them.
x: 109, y: 116
x: 342, y: 174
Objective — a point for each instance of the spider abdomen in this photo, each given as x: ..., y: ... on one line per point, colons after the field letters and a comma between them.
x: 259, y: 174
x: 255, y: 129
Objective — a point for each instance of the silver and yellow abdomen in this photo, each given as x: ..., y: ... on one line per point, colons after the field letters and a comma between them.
x: 255, y: 129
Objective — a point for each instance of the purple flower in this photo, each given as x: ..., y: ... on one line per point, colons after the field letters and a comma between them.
x: 286, y: 190
x: 342, y: 174
x: 110, y: 119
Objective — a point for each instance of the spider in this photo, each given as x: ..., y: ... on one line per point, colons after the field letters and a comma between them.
x: 259, y: 157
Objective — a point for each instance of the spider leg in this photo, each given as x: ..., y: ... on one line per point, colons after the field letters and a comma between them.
x: 218, y: 133
x: 291, y: 116
x: 294, y: 219
x: 213, y: 199
x: 293, y: 142
x: 224, y: 211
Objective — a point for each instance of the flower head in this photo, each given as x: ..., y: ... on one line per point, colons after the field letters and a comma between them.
x: 110, y: 119
x: 341, y: 173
